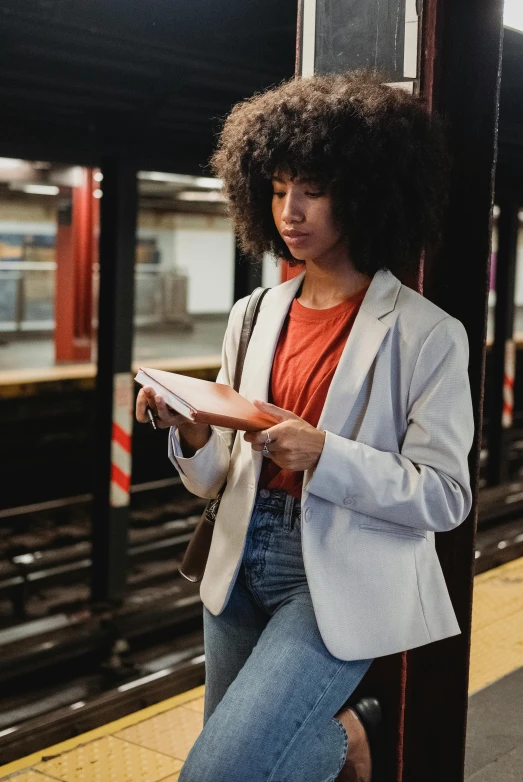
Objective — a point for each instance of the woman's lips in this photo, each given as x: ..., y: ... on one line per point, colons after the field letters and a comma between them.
x: 295, y: 240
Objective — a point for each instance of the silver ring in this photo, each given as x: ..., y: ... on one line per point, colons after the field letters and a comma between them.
x: 268, y: 440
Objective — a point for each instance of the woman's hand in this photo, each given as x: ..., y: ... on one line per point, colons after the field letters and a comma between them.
x: 295, y: 444
x: 193, y: 436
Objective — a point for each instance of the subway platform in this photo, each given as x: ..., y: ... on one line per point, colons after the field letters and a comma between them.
x: 151, y: 745
x: 36, y: 351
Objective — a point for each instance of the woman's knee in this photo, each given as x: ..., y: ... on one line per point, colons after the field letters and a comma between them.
x: 218, y: 754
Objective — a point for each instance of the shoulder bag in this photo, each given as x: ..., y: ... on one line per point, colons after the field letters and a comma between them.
x: 197, y: 552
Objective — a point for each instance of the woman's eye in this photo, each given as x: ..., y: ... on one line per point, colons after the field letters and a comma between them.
x: 314, y: 195
x: 278, y: 194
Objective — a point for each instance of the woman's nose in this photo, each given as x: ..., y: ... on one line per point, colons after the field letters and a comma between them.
x: 292, y: 210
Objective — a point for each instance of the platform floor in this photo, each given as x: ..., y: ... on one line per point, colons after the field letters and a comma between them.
x: 151, y: 745
x: 151, y: 343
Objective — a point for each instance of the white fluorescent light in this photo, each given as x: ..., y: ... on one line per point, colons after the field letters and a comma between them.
x: 182, y: 179
x: 98, y: 176
x: 98, y: 193
x: 40, y: 189
x: 513, y: 14
x: 160, y: 176
x: 202, y: 195
x: 205, y: 181
x: 10, y: 162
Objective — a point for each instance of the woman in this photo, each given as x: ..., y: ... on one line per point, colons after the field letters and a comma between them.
x: 323, y: 553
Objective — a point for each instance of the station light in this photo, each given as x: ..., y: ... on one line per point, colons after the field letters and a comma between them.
x: 208, y: 183
x: 513, y: 14
x: 36, y: 189
x: 10, y: 162
x: 201, y: 195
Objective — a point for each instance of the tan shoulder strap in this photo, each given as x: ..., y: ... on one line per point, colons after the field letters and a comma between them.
x: 249, y: 321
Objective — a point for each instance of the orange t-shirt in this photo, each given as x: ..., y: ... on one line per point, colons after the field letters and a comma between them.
x: 308, y: 351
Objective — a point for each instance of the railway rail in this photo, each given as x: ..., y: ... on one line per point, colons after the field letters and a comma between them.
x: 67, y: 665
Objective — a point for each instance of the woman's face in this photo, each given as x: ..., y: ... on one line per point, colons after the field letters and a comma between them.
x: 304, y: 218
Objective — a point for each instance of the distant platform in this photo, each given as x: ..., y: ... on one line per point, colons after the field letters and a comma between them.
x: 27, y: 364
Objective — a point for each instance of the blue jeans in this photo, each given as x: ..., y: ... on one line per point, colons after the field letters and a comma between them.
x: 272, y: 688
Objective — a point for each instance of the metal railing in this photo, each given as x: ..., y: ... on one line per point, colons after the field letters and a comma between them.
x: 27, y: 296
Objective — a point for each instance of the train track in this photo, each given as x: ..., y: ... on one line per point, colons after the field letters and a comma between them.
x: 107, y: 659
x: 99, y: 663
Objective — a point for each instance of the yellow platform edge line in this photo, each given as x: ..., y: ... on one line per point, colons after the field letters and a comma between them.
x: 104, y: 730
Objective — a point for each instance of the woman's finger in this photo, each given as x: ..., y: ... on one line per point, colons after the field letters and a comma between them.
x: 150, y: 395
x: 141, y: 405
x: 256, y: 437
x: 164, y: 416
x: 258, y: 440
x: 277, y: 412
x: 167, y: 416
x: 257, y: 447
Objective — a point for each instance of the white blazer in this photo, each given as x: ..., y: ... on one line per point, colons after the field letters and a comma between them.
x: 393, y: 470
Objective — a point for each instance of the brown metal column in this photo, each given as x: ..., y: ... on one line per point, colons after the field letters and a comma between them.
x: 503, y: 349
x: 75, y: 254
x: 460, y: 76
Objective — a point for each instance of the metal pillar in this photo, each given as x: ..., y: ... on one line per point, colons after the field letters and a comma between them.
x: 114, y: 385
x: 460, y: 78
x: 75, y: 254
x: 503, y: 349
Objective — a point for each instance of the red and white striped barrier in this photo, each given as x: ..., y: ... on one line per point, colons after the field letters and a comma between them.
x: 121, y: 439
x: 508, y: 384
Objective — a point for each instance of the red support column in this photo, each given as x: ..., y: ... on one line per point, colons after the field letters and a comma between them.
x: 76, y: 250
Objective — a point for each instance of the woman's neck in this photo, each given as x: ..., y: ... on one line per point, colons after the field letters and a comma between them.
x: 325, y: 286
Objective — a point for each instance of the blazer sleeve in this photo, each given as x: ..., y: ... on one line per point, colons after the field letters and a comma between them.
x: 427, y: 484
x: 205, y: 472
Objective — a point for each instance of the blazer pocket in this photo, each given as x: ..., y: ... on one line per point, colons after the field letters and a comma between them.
x: 390, y: 528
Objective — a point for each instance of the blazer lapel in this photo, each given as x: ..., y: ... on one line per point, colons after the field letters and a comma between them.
x: 360, y: 350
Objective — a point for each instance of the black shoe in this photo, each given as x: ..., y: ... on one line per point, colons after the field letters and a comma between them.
x: 369, y: 711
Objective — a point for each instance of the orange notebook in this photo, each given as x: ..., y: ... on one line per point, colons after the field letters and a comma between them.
x: 205, y: 402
